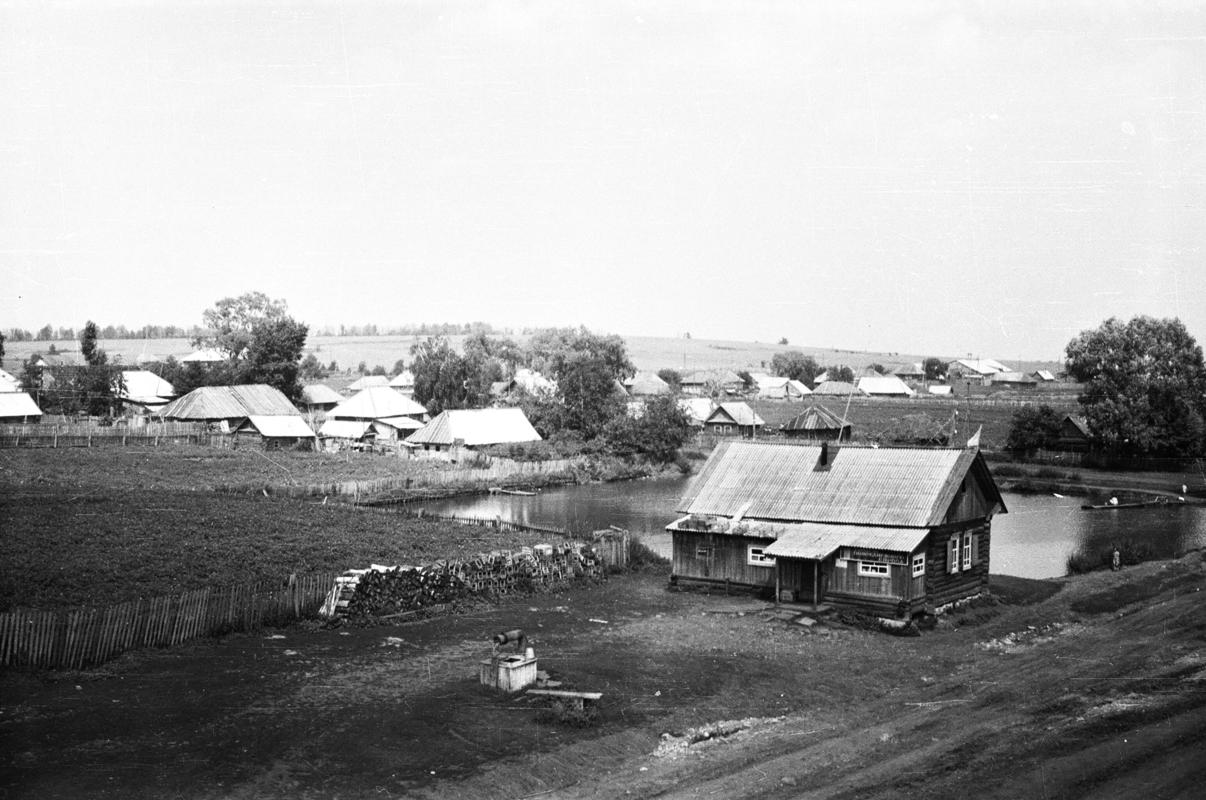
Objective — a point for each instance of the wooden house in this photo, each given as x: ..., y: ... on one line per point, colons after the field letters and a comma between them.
x: 712, y: 383
x: 880, y: 529
x: 457, y: 429
x: 391, y: 414
x: 1074, y: 436
x: 818, y: 424
x: 18, y: 407
x: 733, y: 419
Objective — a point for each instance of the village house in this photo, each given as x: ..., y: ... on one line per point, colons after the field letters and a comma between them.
x: 771, y: 387
x: 143, y: 391
x: 252, y: 411
x: 403, y: 383
x: 379, y: 410
x: 1074, y: 436
x: 697, y: 409
x: 646, y: 384
x: 455, y: 430
x: 838, y: 389
x: 711, y: 382
x: 733, y: 419
x: 367, y: 382
x: 881, y: 529
x: 318, y: 398
x: 975, y: 370
x: 818, y: 424
x: 884, y: 386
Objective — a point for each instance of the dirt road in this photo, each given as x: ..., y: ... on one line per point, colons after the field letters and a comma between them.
x: 1093, y: 691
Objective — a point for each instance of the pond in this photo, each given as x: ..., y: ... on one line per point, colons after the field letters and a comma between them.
x: 1033, y: 540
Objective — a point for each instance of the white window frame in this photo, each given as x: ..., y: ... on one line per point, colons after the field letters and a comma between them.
x: 967, y: 559
x: 918, y: 563
x: 952, y: 554
x: 756, y: 557
x: 874, y: 569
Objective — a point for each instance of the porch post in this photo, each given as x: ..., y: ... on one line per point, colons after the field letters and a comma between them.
x: 816, y: 590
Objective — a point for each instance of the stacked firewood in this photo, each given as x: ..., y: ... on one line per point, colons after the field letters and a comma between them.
x: 382, y: 591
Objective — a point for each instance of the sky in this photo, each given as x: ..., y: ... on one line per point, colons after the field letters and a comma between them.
x: 918, y: 177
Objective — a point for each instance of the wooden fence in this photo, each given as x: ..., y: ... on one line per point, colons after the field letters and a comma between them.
x: 91, y: 636
x: 92, y: 435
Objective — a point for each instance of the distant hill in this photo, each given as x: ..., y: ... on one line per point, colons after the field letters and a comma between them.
x: 646, y: 352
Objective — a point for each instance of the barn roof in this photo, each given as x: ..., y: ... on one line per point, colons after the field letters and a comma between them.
x: 280, y: 427
x: 18, y: 404
x: 477, y: 427
x: 229, y: 402
x: 142, y: 386
x: 837, y: 387
x: 368, y: 382
x: 816, y: 418
x: 318, y: 394
x: 1043, y: 374
x: 818, y: 540
x: 647, y: 383
x: 344, y: 428
x: 738, y: 413
x: 884, y: 385
x: 376, y: 402
x: 896, y: 487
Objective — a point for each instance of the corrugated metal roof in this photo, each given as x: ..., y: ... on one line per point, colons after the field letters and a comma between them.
x: 18, y: 404
x: 477, y: 427
x: 281, y: 427
x: 861, y: 485
x: 817, y: 540
x: 344, y: 428
x: 229, y: 402
x: 738, y: 413
x: 884, y: 385
x: 816, y: 418
x: 317, y: 394
x: 377, y: 402
x: 837, y: 387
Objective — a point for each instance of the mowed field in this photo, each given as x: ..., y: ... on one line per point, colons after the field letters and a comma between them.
x: 105, y: 525
x: 646, y: 352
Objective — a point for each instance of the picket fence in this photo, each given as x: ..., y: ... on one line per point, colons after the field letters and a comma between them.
x: 90, y: 636
x: 92, y: 435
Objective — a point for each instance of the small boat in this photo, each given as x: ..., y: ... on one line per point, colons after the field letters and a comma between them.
x: 521, y: 492
x: 1139, y: 504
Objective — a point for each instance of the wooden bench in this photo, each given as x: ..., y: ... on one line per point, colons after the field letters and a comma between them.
x: 576, y: 699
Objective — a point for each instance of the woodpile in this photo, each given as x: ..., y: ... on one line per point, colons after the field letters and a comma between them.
x: 385, y: 591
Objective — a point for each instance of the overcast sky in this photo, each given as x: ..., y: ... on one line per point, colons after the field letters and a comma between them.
x: 914, y: 177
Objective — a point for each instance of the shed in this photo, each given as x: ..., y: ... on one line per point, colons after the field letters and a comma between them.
x: 276, y: 431
x: 912, y: 372
x: 881, y: 529
x: 476, y: 427
x: 733, y: 419
x: 1014, y: 379
x: 18, y: 407
x: 818, y: 423
x: 1074, y: 435
x: 319, y: 397
x: 1043, y: 376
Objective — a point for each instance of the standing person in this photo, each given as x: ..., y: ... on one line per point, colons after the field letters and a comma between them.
x: 1116, y: 560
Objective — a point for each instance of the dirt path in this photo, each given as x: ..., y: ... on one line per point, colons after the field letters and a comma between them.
x: 1092, y: 692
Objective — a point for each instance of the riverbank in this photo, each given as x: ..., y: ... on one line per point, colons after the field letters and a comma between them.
x: 1026, y: 478
x: 1077, y: 687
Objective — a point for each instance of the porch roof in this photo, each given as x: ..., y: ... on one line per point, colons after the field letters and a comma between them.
x: 818, y: 540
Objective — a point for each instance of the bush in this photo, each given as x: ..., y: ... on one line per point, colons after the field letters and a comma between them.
x: 641, y: 558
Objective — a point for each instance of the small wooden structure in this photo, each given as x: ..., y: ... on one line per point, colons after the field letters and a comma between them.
x: 819, y: 424
x: 510, y: 673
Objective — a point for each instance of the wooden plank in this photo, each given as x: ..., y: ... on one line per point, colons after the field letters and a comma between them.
x: 567, y: 694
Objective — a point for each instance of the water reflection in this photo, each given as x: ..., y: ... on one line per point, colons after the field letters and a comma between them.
x: 1033, y: 540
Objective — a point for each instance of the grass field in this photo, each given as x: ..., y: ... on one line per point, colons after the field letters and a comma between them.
x: 99, y: 526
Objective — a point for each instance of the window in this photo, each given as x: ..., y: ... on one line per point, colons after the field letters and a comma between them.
x: 703, y: 552
x: 967, y: 559
x: 952, y: 554
x: 755, y: 557
x: 872, y: 569
x: 918, y: 565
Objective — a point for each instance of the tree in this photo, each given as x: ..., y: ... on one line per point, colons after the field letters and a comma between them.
x: 1, y: 349
x: 747, y: 379
x: 1033, y: 428
x: 878, y: 368
x: 1145, y: 386
x: 783, y: 341
x: 659, y: 431
x: 935, y: 369
x: 797, y: 366
x: 399, y: 367
x: 672, y: 377
x: 232, y: 318
x: 311, y: 368
x: 551, y: 349
x: 93, y: 355
x: 586, y: 387
x: 440, y: 379
x: 841, y: 373
x: 273, y: 355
